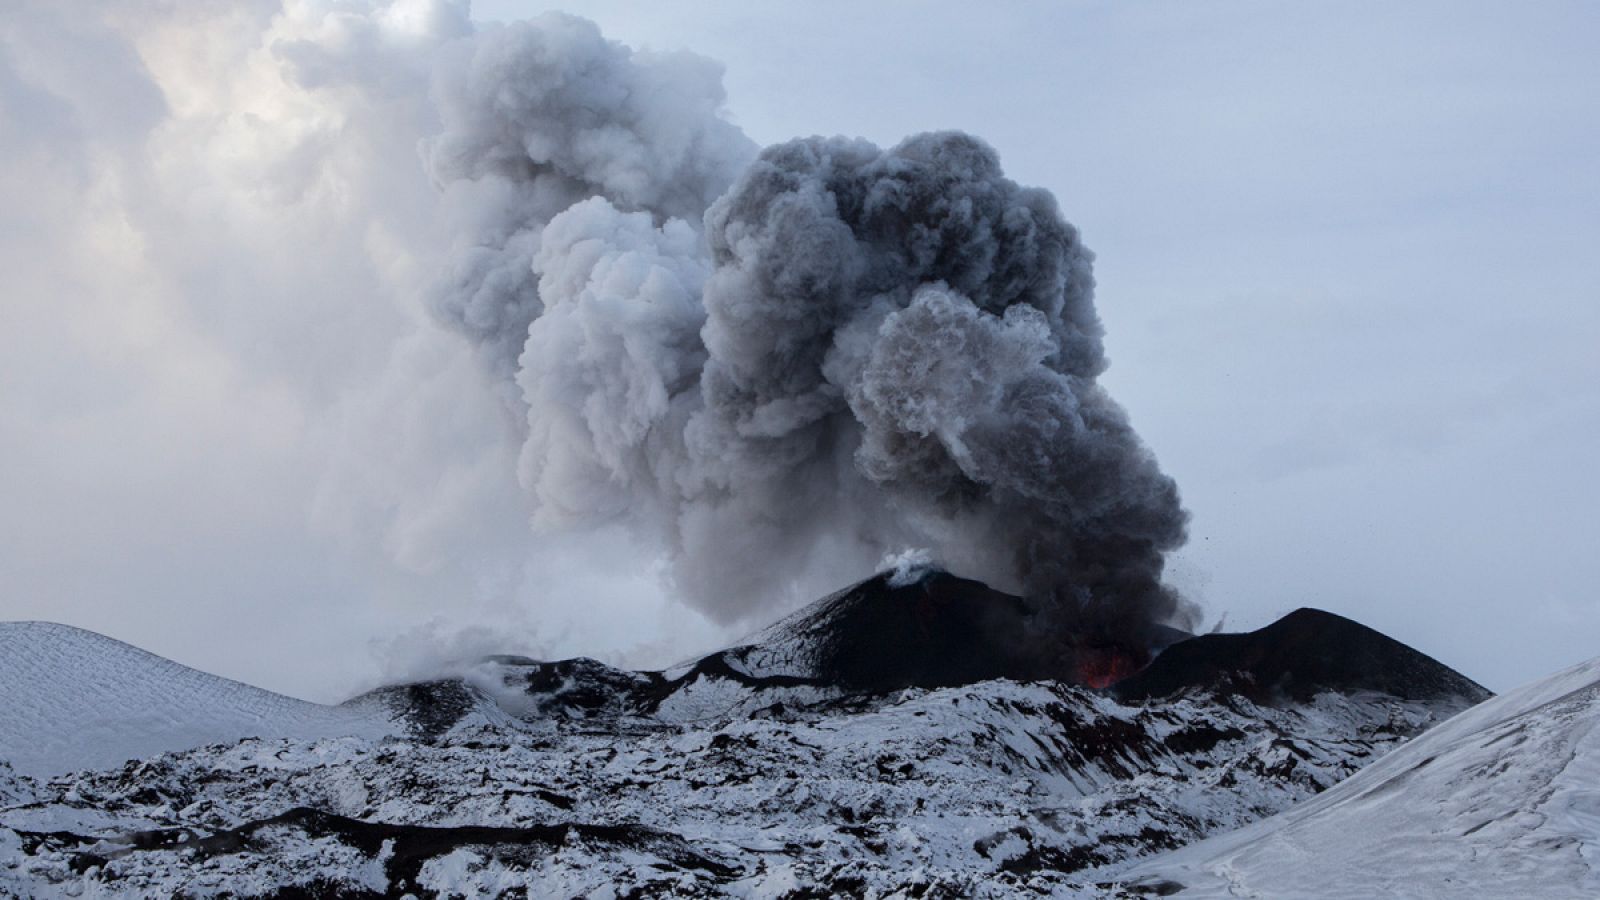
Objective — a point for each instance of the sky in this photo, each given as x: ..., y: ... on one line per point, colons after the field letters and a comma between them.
x: 1344, y: 258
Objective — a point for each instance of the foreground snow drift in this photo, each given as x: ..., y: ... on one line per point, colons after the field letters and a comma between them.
x: 1501, y: 801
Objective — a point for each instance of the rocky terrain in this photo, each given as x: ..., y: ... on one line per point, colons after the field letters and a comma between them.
x: 797, y: 765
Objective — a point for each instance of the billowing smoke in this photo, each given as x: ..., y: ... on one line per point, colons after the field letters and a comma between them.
x: 927, y: 328
x: 540, y: 115
x: 423, y: 281
x: 781, y: 369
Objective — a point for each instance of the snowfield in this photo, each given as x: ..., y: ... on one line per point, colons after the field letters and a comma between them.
x: 976, y: 791
x: 982, y: 790
x: 1501, y: 801
x: 73, y: 699
x: 802, y: 764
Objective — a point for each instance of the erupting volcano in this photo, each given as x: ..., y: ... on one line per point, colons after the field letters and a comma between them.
x: 898, y: 725
x: 931, y: 629
x: 778, y: 366
x: 934, y: 629
x: 1102, y: 667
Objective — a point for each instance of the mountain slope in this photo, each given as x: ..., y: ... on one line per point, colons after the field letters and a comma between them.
x: 1296, y: 657
x: 1501, y: 801
x: 932, y: 629
x: 72, y: 699
x: 977, y: 790
x: 785, y: 767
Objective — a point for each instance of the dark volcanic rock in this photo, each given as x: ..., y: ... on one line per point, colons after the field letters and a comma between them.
x: 403, y: 849
x: 937, y: 630
x: 791, y: 766
x: 428, y: 708
x: 586, y: 688
x: 934, y: 630
x: 1302, y: 654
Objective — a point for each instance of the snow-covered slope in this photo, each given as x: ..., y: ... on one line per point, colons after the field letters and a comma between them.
x: 981, y: 790
x: 1501, y: 801
x: 872, y: 745
x: 72, y: 699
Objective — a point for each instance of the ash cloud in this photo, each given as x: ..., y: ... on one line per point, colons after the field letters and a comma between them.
x: 539, y: 115
x: 460, y: 278
x: 919, y: 332
x: 780, y: 367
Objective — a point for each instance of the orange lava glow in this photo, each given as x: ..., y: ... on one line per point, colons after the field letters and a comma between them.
x: 1101, y: 667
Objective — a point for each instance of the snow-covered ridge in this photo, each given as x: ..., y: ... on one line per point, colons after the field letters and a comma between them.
x: 981, y: 790
x: 1501, y: 801
x: 72, y: 699
x: 794, y: 765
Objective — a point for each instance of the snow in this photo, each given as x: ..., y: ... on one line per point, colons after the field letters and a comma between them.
x: 1501, y: 801
x: 608, y: 783
x: 71, y: 699
x: 984, y: 790
x: 14, y: 790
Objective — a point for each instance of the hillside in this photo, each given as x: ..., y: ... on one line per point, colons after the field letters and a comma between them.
x: 1501, y: 801
x: 860, y: 747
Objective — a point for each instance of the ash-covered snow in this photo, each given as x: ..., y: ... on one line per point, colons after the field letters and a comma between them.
x: 14, y: 789
x: 981, y: 790
x: 780, y: 768
x: 1501, y: 801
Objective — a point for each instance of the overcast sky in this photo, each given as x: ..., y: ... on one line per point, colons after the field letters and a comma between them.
x: 1346, y: 259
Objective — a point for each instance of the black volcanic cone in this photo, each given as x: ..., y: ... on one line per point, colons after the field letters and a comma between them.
x: 1300, y: 655
x: 931, y: 629
x: 934, y: 630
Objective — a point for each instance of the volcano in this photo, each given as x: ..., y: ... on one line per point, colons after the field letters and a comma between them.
x: 903, y: 737
x: 890, y: 632
x: 1305, y: 653
x: 934, y: 629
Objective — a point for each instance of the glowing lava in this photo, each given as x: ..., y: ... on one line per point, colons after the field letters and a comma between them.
x: 1101, y: 667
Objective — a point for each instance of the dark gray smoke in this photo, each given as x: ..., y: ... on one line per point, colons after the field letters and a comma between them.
x: 929, y: 326
x: 782, y: 370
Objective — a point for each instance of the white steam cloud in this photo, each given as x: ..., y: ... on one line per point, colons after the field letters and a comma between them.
x: 540, y: 115
x: 771, y: 369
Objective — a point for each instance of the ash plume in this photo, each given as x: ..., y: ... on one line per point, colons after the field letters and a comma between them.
x: 541, y: 114
x: 377, y: 286
x: 780, y: 369
x: 919, y: 331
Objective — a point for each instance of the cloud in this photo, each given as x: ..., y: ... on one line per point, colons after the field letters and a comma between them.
x: 443, y: 295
